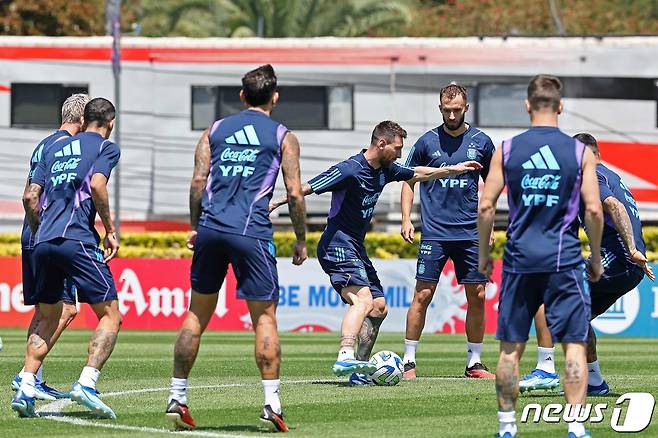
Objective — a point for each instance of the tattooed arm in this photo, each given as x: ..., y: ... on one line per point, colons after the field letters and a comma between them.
x: 622, y: 222
x: 198, y: 184
x: 102, y: 203
x: 294, y: 194
x: 31, y: 197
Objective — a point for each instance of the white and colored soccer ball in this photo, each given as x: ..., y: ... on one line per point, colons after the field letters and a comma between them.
x: 389, y: 368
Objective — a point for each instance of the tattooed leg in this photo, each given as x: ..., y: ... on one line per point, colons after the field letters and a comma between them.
x: 507, y: 375
x: 188, y: 340
x: 370, y: 329
x: 267, y: 347
x: 361, y: 305
x: 104, y: 338
x: 40, y: 340
x: 575, y: 375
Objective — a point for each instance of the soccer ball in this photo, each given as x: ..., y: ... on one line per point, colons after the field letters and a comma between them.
x: 389, y: 368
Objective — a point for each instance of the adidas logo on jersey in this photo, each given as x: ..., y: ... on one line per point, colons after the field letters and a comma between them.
x: 544, y: 159
x: 72, y: 148
x: 246, y: 136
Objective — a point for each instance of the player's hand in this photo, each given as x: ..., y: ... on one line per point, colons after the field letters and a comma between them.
x: 191, y: 240
x: 300, y: 253
x: 272, y: 206
x: 111, y: 245
x: 492, y: 238
x: 407, y: 231
x: 639, y: 259
x: 485, y: 265
x: 594, y: 269
x: 466, y: 166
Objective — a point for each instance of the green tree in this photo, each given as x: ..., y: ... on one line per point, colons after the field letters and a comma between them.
x: 272, y: 18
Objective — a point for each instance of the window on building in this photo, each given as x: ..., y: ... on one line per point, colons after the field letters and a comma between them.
x: 299, y: 107
x: 39, y: 106
x: 502, y: 105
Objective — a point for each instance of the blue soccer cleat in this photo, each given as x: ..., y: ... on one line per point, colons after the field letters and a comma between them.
x: 41, y: 390
x: 360, y: 379
x: 539, y: 379
x: 23, y: 404
x: 90, y: 398
x: 601, y: 389
x: 588, y: 434
x: 348, y: 366
x: 505, y: 435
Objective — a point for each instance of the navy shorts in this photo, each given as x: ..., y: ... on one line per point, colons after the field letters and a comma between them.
x: 56, y: 260
x: 348, y: 265
x: 29, y: 282
x: 619, y: 278
x: 567, y: 303
x: 253, y: 261
x: 433, y: 255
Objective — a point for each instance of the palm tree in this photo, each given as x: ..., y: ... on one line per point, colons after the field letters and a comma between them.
x: 272, y: 18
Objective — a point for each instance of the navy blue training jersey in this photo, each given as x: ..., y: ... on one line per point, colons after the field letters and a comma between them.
x: 449, y: 205
x: 65, y: 172
x: 543, y: 173
x: 610, y: 184
x: 245, y: 160
x: 356, y: 187
x: 26, y: 235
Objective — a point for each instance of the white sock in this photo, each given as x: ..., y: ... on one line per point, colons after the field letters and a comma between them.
x: 507, y: 423
x: 39, y: 376
x: 546, y: 359
x: 178, y: 391
x: 89, y: 376
x: 577, y: 428
x: 409, y: 351
x: 271, y: 390
x: 473, y: 355
x: 345, y: 353
x: 22, y: 373
x: 27, y: 384
x: 594, y: 376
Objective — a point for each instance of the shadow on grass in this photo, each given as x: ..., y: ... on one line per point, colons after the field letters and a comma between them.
x: 87, y: 415
x: 331, y: 383
x: 233, y: 428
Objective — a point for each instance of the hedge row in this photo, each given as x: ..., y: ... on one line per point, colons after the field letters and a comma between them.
x: 378, y: 245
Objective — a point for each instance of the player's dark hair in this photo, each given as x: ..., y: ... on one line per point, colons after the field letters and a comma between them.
x: 589, y: 141
x: 387, y: 130
x: 451, y: 91
x: 545, y: 92
x: 99, y: 112
x: 259, y: 85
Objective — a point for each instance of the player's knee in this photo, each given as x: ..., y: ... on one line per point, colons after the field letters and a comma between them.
x: 379, y: 309
x: 475, y: 295
x: 423, y: 297
x: 69, y: 312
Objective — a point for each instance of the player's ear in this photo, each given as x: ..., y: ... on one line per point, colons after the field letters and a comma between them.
x: 242, y: 98
x: 560, y: 107
x: 84, y: 125
x: 466, y: 109
x: 275, y: 98
x: 527, y: 106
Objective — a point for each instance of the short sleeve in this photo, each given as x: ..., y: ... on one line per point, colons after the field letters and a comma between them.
x: 604, y: 189
x: 416, y: 156
x: 107, y: 160
x: 39, y: 174
x: 333, y: 179
x: 489, y: 150
x: 397, y: 172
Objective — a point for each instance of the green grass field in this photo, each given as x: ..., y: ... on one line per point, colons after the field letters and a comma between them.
x: 226, y: 396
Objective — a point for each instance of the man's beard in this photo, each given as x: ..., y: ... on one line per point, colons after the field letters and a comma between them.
x: 453, y: 126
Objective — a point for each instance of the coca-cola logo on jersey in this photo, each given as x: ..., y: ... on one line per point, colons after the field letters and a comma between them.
x: 551, y: 182
x: 248, y: 155
x: 60, y: 166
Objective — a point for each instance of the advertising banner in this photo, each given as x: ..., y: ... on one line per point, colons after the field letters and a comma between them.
x: 154, y: 295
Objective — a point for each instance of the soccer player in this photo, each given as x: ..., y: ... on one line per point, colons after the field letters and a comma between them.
x: 449, y: 225
x: 235, y: 168
x: 622, y: 249
x: 72, y: 112
x: 72, y: 175
x: 356, y: 184
x: 547, y: 173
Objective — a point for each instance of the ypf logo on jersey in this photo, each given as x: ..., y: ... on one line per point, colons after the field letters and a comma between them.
x: 634, y: 416
x: 60, y: 166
